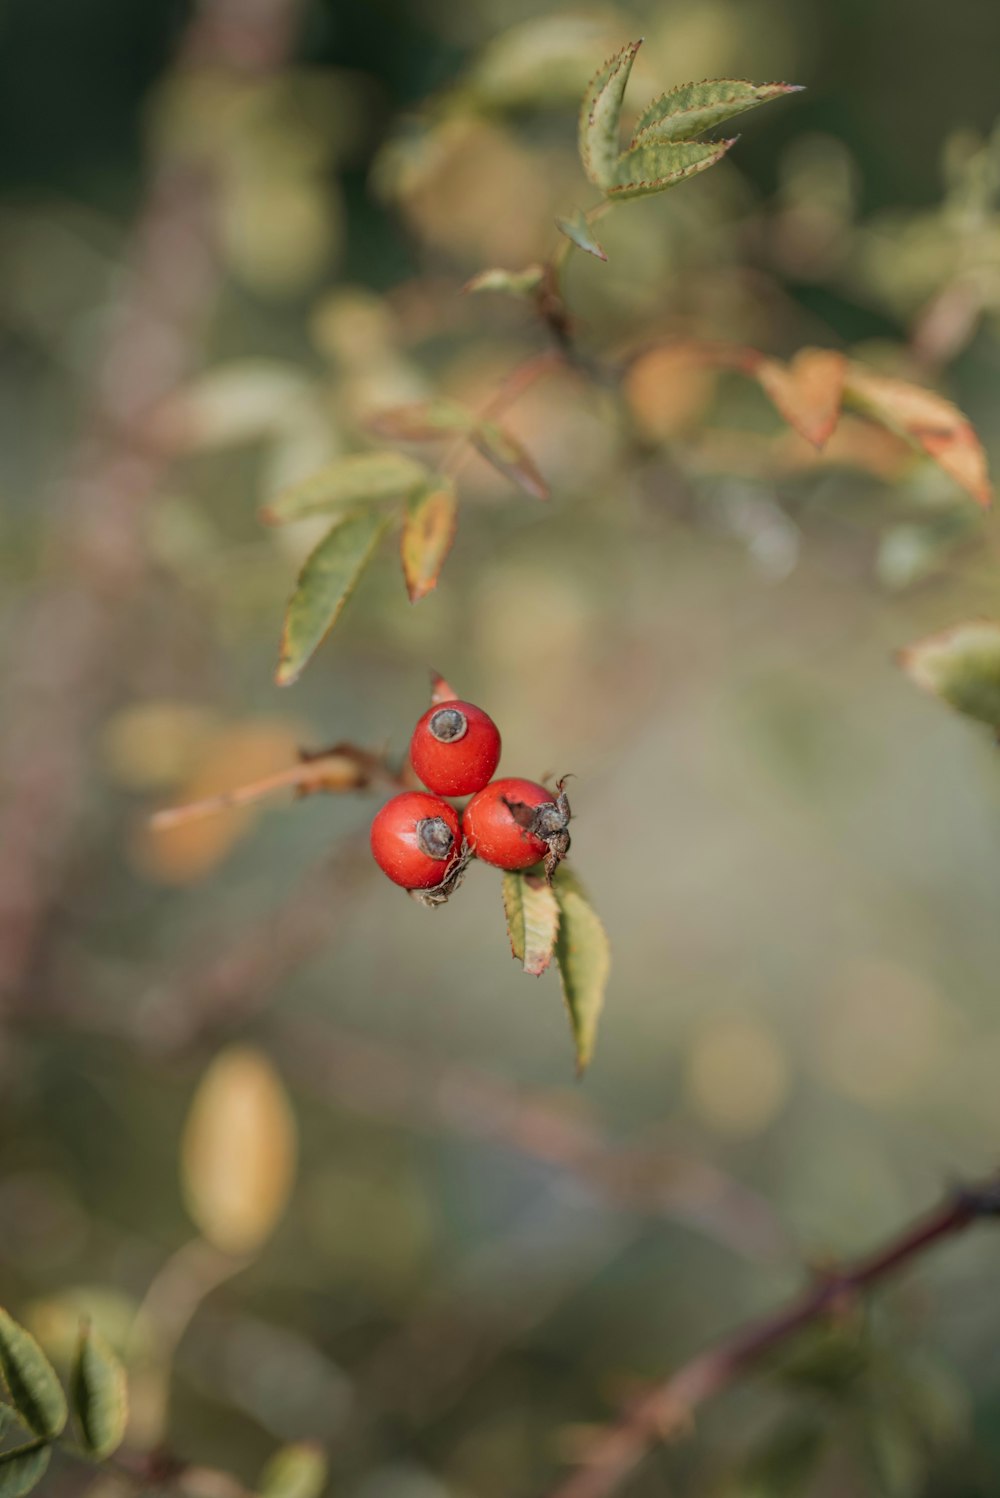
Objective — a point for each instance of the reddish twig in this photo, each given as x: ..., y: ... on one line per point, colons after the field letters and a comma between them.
x: 66, y: 639
x: 667, y: 1408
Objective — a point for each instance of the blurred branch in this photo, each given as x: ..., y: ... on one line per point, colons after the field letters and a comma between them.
x: 666, y: 1410
x: 67, y: 636
x: 379, y: 1082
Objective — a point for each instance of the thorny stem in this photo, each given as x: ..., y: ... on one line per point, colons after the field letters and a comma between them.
x: 666, y: 1410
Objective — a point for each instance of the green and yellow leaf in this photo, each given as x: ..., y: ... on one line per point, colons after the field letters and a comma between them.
x: 428, y: 533
x: 583, y: 956
x: 579, y: 232
x: 239, y: 1151
x: 100, y: 1394
x: 23, y: 1468
x: 362, y: 478
x: 31, y: 1381
x: 532, y: 911
x: 960, y: 665
x: 646, y: 169
x: 600, y: 116
x: 297, y: 1471
x: 327, y: 580
x: 516, y: 283
x: 691, y: 108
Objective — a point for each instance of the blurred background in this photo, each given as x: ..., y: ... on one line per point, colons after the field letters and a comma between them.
x: 313, y: 1157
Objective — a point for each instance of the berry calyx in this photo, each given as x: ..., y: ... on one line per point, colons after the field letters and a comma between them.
x: 455, y: 748
x: 417, y: 842
x: 513, y: 824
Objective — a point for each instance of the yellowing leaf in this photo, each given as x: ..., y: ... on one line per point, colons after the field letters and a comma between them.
x: 944, y: 433
x: 22, y: 1468
x: 497, y: 445
x: 689, y: 109
x: 960, y: 665
x: 577, y: 230
x: 652, y: 168
x: 239, y: 1151
x: 600, y: 114
x: 100, y: 1394
x: 532, y: 912
x: 516, y: 283
x: 428, y: 533
x: 584, y: 959
x: 360, y: 478
x: 297, y: 1471
x: 807, y: 392
x: 327, y: 580
x: 31, y: 1381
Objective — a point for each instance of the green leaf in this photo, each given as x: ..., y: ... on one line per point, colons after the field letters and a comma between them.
x: 652, y: 168
x: 424, y: 421
x: 297, y: 1471
x: 360, y: 478
x: 577, y: 229
x: 100, y: 1394
x: 8, y: 1419
x: 960, y: 665
x: 325, y: 583
x: 517, y: 283
x: 532, y: 912
x: 498, y: 447
x: 600, y: 114
x: 691, y: 108
x: 22, y: 1468
x: 428, y: 533
x: 584, y: 959
x: 31, y: 1379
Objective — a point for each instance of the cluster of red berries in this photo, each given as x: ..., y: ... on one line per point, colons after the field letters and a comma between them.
x: 422, y: 843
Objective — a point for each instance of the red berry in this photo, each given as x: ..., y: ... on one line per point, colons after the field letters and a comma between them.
x: 416, y: 840
x: 455, y: 748
x: 493, y: 830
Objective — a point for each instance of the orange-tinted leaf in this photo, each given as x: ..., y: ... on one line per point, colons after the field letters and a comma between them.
x: 943, y: 432
x: 668, y: 389
x: 428, y: 533
x: 498, y: 447
x: 807, y: 392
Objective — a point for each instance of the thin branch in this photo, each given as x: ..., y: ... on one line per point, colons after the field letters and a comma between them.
x: 66, y: 639
x: 666, y: 1410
